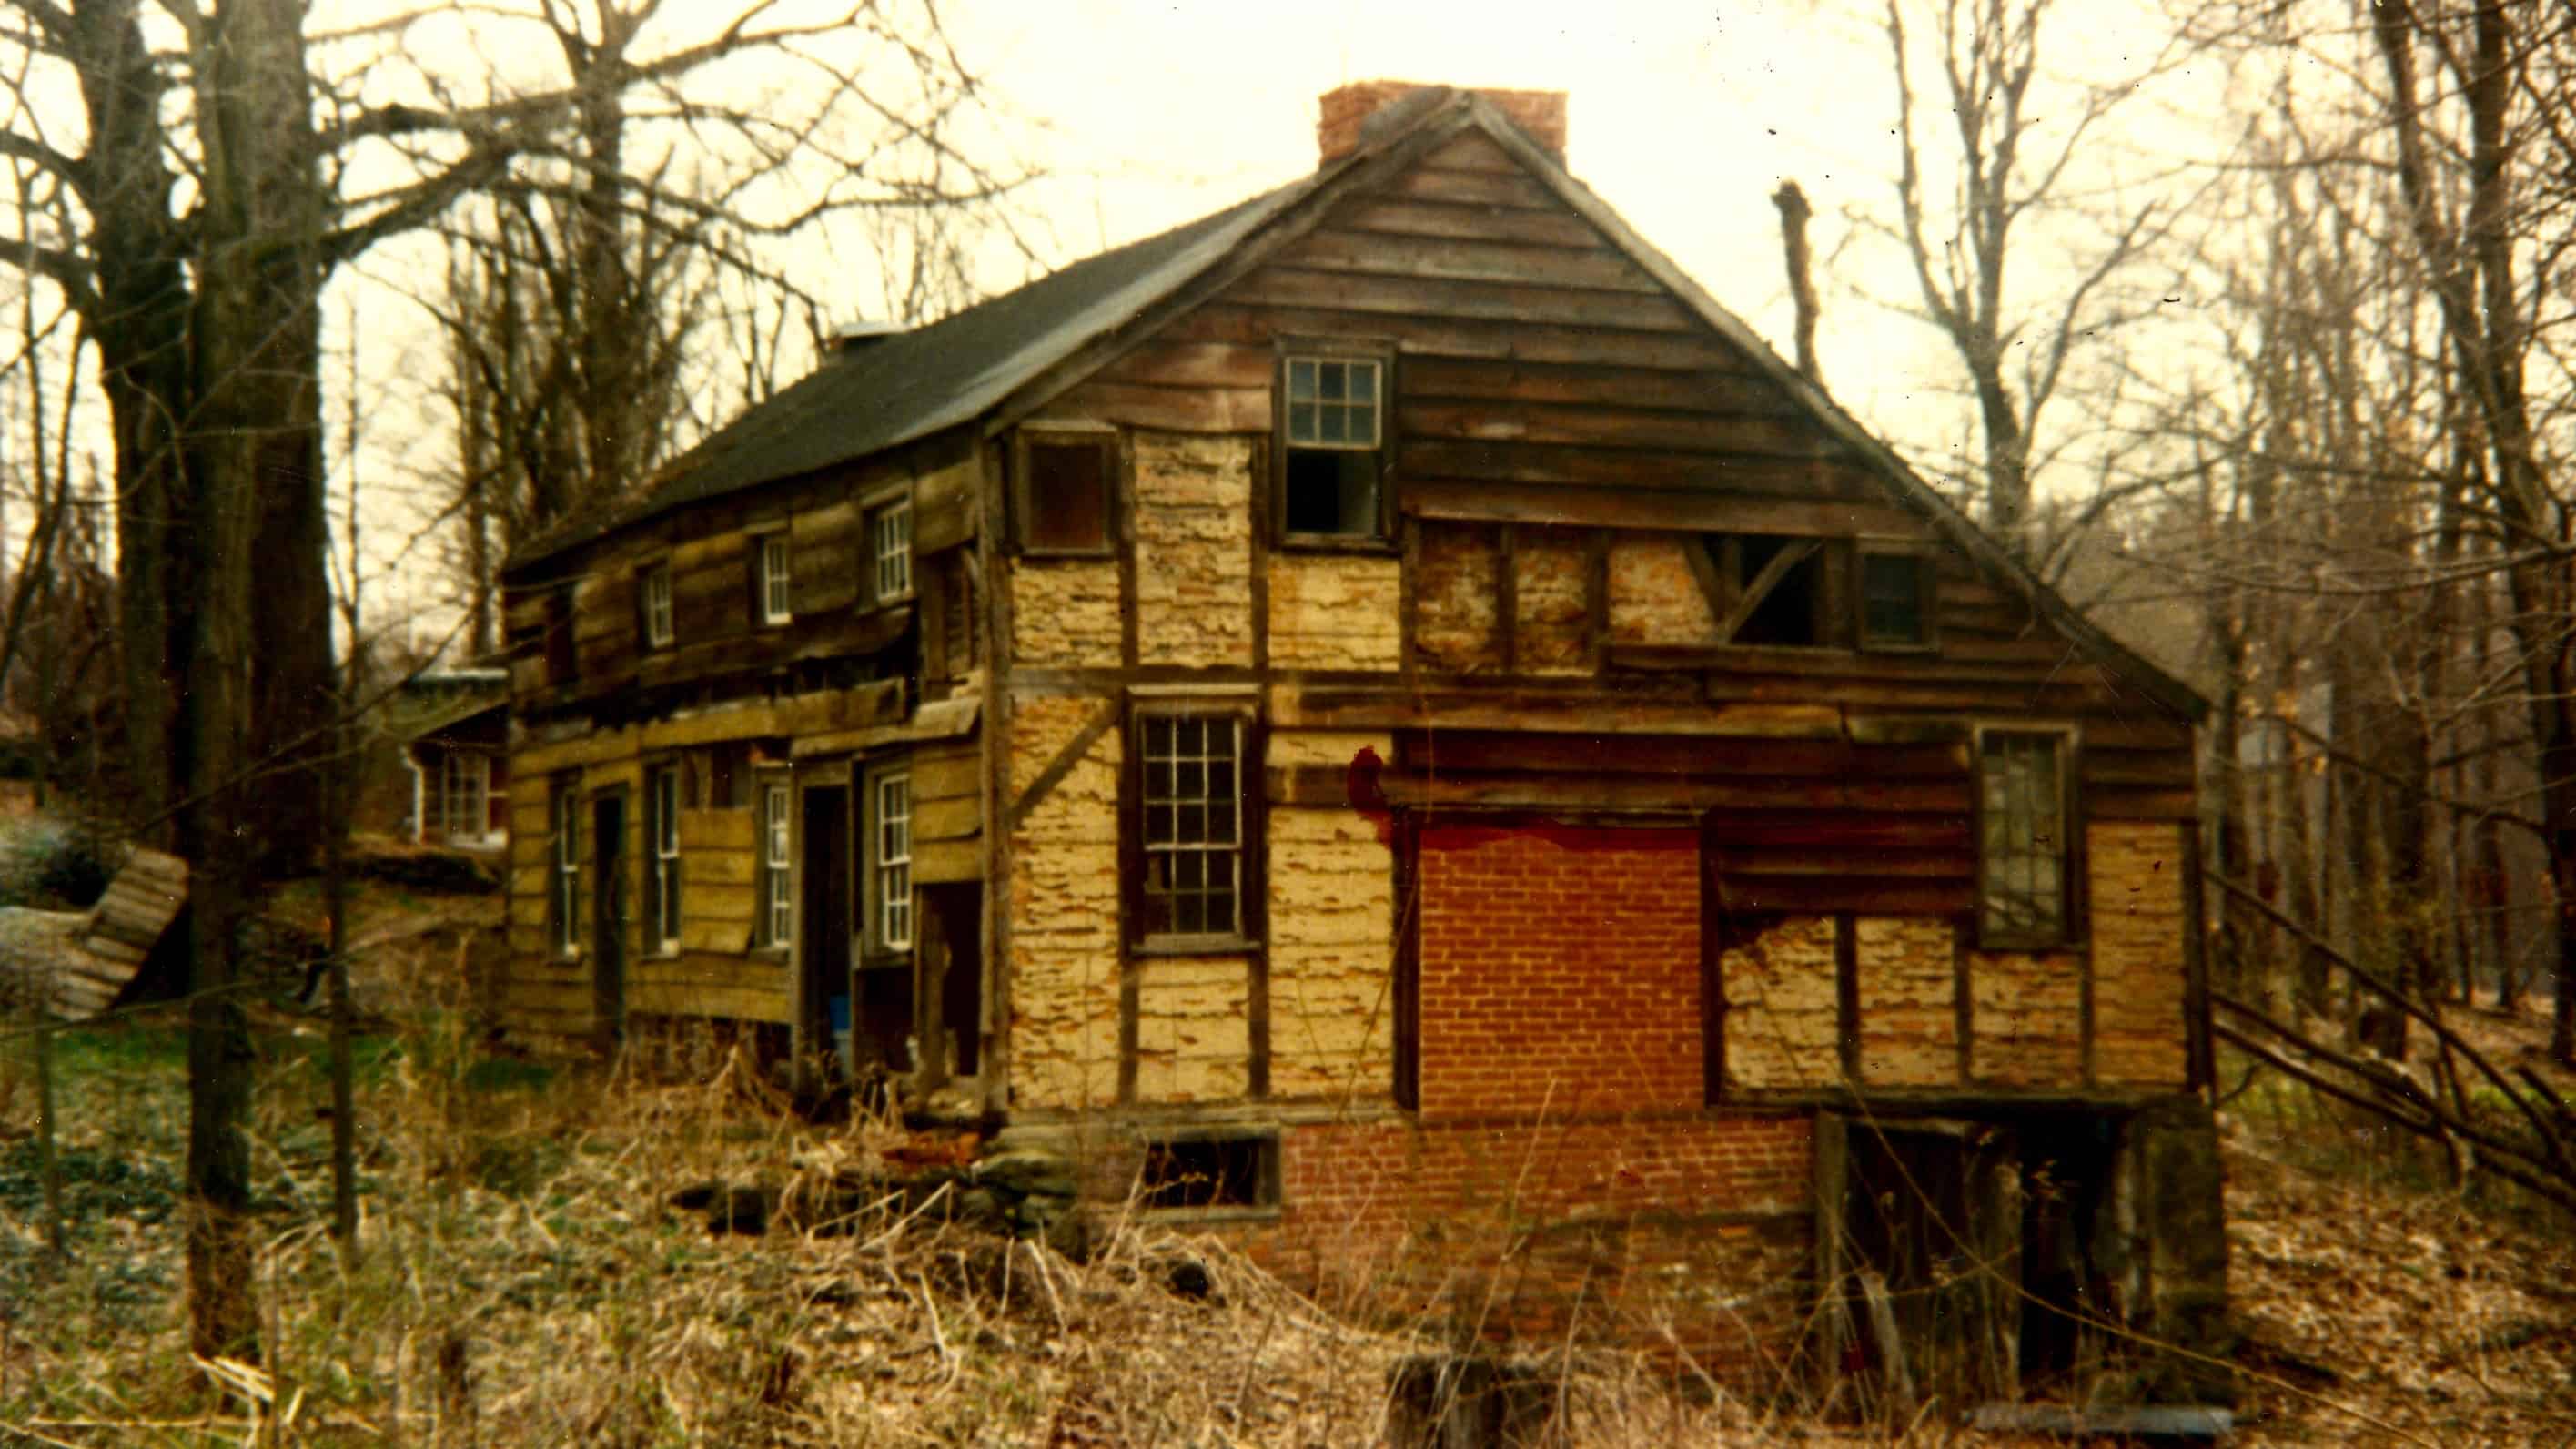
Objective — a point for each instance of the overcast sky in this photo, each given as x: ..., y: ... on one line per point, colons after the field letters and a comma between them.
x: 1684, y: 117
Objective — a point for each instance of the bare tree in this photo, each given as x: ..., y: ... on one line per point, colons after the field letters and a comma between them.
x: 2011, y: 168
x: 228, y: 161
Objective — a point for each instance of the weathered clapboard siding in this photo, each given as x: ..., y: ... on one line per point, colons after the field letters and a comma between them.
x: 947, y: 813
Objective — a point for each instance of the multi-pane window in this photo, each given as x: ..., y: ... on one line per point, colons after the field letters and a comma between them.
x: 662, y: 883
x: 1331, y: 428
x: 777, y: 604
x: 1895, y: 599
x: 777, y: 903
x: 657, y: 607
x: 2022, y: 839
x: 465, y: 797
x: 567, y: 870
x: 1192, y: 825
x: 890, y: 550
x: 893, y: 864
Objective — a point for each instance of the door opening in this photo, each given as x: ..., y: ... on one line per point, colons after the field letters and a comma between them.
x: 608, y: 918
x: 1923, y: 1247
x: 823, y: 937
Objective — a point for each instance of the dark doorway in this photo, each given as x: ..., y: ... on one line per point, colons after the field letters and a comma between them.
x: 608, y: 917
x: 823, y: 950
x: 2066, y: 1171
x: 1927, y: 1260
x: 952, y: 977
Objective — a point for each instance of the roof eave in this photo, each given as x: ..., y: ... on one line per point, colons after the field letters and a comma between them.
x: 1937, y: 510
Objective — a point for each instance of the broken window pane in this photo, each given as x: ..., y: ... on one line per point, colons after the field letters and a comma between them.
x: 2022, y: 839
x: 1332, y: 436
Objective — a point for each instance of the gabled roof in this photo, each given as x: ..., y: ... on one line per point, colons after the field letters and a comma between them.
x: 1010, y: 354
x: 914, y: 384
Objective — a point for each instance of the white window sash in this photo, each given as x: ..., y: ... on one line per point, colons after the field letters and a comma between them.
x: 776, y: 599
x: 657, y: 606
x: 780, y: 901
x: 894, y: 861
x: 890, y: 542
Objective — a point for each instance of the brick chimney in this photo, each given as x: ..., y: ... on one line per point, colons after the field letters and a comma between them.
x: 1343, y: 115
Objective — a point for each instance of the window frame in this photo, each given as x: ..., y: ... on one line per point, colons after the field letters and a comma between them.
x: 455, y: 779
x: 767, y: 580
x: 663, y: 916
x: 659, y: 616
x: 1926, y: 595
x: 563, y: 875
x: 1112, y: 481
x: 878, y: 899
x: 1267, y: 1197
x: 2066, y: 742
x: 895, y: 505
x: 775, y: 830
x: 1381, y: 353
x: 1251, y: 876
x: 1721, y: 551
x: 560, y: 645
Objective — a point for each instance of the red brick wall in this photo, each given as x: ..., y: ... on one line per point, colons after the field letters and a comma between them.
x: 1560, y: 971
x: 1342, y: 112
x: 1616, y: 1229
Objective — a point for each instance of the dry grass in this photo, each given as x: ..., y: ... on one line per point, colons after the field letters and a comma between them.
x: 520, y: 1280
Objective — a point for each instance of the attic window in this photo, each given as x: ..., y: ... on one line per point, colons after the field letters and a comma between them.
x: 1066, y: 487
x: 1332, y: 431
x: 1773, y: 589
x: 1895, y: 597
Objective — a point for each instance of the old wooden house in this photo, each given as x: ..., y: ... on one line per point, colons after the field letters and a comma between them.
x: 1386, y: 720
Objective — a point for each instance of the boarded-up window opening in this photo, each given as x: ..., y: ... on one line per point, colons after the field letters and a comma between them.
x: 1211, y: 1172
x: 1066, y: 493
x: 2023, y: 837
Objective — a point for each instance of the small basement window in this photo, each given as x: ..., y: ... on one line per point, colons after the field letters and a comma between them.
x: 1066, y: 492
x: 1211, y: 1172
x: 1895, y: 598
x: 1332, y: 435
